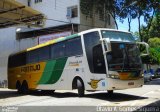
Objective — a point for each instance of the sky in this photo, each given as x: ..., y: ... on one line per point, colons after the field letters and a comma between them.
x: 134, y: 24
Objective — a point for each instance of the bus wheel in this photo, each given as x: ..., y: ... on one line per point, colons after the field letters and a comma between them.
x: 110, y: 92
x: 80, y: 87
x: 24, y: 88
x: 18, y: 87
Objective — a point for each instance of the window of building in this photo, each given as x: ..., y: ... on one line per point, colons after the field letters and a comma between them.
x: 37, y: 1
x: 72, y: 12
x: 74, y: 47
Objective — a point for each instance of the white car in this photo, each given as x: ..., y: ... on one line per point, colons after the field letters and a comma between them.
x: 147, y: 77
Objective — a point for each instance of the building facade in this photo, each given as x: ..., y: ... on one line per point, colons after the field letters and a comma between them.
x: 63, y: 17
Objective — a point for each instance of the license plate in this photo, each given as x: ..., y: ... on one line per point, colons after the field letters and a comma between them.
x: 131, y: 83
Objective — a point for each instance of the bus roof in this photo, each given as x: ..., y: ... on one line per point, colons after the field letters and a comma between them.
x: 66, y: 38
x: 52, y: 42
x: 107, y: 29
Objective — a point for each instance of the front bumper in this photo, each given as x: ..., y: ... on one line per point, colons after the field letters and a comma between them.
x: 117, y: 84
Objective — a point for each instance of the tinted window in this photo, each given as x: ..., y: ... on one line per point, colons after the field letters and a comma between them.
x: 91, y: 40
x: 57, y: 50
x: 98, y: 59
x: 33, y: 56
x: 44, y: 53
x: 17, y: 60
x: 73, y: 47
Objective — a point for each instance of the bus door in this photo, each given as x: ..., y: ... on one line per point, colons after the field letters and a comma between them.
x: 96, y: 72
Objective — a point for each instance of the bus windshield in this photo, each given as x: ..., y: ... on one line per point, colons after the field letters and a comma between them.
x: 124, y: 56
x: 118, y: 36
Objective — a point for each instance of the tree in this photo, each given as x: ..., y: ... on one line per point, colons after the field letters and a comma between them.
x: 154, y: 42
x: 152, y: 29
x: 154, y: 55
x: 154, y: 50
x: 128, y: 11
x: 104, y: 7
x: 152, y: 36
x: 122, y: 9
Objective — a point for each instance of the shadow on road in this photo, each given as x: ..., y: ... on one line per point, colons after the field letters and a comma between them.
x: 8, y: 94
x: 101, y: 96
x: 116, y: 97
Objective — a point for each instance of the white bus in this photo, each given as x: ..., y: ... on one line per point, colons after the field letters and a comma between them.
x: 96, y: 59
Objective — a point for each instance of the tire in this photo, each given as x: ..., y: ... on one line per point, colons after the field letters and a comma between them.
x: 80, y: 88
x: 18, y: 87
x: 110, y: 92
x: 24, y: 88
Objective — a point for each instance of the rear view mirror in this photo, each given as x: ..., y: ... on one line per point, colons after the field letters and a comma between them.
x: 107, y: 44
x: 146, y: 46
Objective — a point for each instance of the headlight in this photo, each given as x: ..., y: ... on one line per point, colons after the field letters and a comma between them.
x: 141, y: 74
x: 114, y: 76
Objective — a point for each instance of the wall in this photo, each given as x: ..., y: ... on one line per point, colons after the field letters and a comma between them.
x: 55, y: 9
x: 9, y: 45
x: 88, y: 22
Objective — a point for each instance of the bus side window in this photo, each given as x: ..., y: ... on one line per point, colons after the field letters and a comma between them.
x: 33, y: 56
x: 73, y: 47
x: 57, y: 50
x: 17, y: 60
x: 44, y: 53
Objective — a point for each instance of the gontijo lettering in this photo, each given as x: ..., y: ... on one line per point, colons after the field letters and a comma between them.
x: 31, y: 68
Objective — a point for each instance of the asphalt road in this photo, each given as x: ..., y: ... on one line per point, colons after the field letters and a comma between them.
x: 148, y: 95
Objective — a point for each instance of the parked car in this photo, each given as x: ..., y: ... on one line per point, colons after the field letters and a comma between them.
x: 147, y: 76
x: 152, y: 72
x: 157, y: 73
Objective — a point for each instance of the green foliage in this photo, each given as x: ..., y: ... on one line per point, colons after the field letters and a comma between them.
x: 151, y: 34
x: 154, y: 42
x: 152, y: 29
x: 154, y: 50
x: 155, y: 55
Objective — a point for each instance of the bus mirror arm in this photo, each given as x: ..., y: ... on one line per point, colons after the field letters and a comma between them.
x: 147, y: 48
x: 107, y: 45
